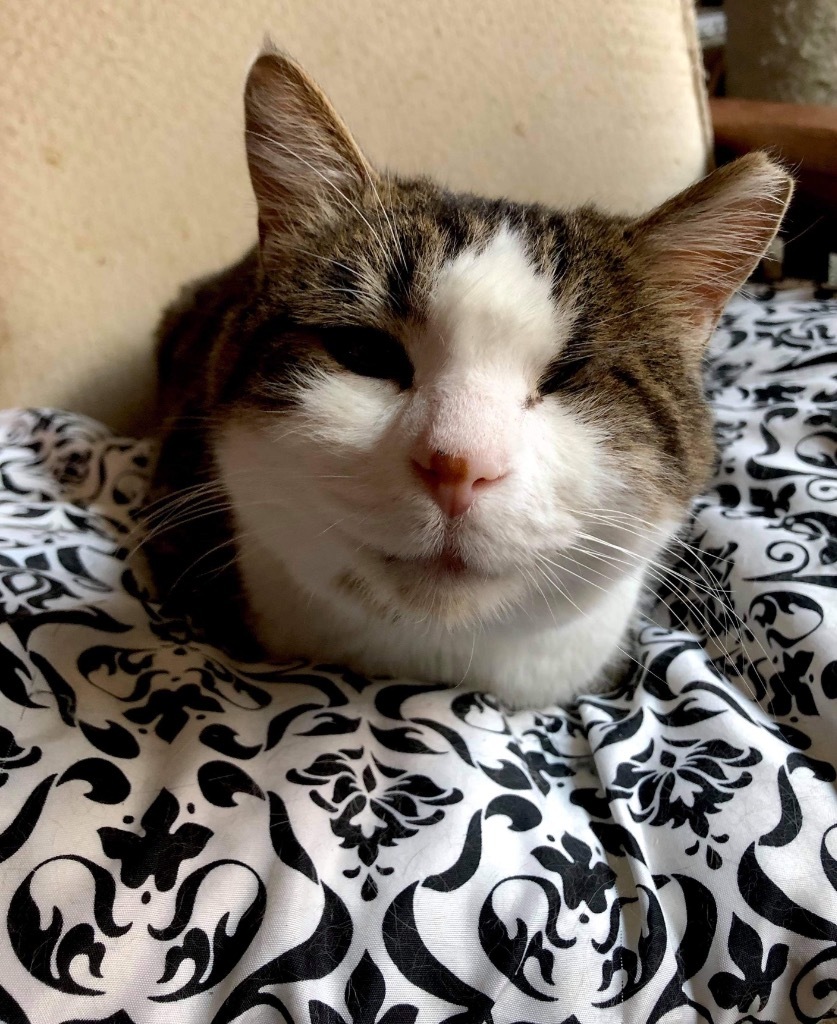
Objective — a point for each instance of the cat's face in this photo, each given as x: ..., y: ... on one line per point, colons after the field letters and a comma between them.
x: 450, y: 410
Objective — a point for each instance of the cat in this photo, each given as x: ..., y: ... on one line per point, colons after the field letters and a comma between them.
x: 428, y: 434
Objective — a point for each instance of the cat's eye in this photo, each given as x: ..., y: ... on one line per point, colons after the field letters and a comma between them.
x: 369, y: 352
x: 559, y: 374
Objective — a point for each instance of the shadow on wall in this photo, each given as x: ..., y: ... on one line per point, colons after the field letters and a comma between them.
x: 782, y: 50
x: 125, y: 393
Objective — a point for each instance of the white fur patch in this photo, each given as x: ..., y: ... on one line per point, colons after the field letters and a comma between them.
x: 492, y: 312
x: 491, y: 330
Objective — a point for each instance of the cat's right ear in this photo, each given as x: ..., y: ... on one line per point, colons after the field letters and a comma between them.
x: 702, y: 244
x: 304, y: 163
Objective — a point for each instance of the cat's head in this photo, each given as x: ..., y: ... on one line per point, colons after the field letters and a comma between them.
x: 447, y: 407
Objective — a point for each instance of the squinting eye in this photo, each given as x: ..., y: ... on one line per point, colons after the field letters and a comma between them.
x: 369, y: 353
x: 559, y: 374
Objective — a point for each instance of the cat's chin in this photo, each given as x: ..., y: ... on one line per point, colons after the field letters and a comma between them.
x: 444, y: 589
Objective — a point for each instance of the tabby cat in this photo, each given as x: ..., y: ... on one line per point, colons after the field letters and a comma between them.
x: 429, y: 434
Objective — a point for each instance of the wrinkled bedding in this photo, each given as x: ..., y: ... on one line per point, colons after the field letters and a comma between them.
x: 186, y: 839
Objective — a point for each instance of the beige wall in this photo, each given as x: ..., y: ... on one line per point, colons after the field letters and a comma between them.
x: 122, y: 170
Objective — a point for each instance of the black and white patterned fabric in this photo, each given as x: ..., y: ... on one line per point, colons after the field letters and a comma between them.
x: 185, y: 839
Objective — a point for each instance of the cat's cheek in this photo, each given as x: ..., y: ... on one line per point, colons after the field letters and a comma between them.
x: 345, y: 412
x: 566, y: 459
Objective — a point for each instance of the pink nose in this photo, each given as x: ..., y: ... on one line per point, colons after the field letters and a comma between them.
x: 454, y: 481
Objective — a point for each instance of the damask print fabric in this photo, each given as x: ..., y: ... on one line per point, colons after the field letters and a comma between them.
x: 185, y: 839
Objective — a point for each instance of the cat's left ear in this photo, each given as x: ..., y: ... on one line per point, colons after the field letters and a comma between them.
x: 700, y: 246
x: 304, y: 164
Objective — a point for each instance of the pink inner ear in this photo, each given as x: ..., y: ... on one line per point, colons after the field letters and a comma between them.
x: 704, y: 243
x: 715, y: 254
x: 303, y: 160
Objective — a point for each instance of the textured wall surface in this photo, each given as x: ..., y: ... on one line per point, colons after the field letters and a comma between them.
x: 122, y: 162
x: 782, y: 50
